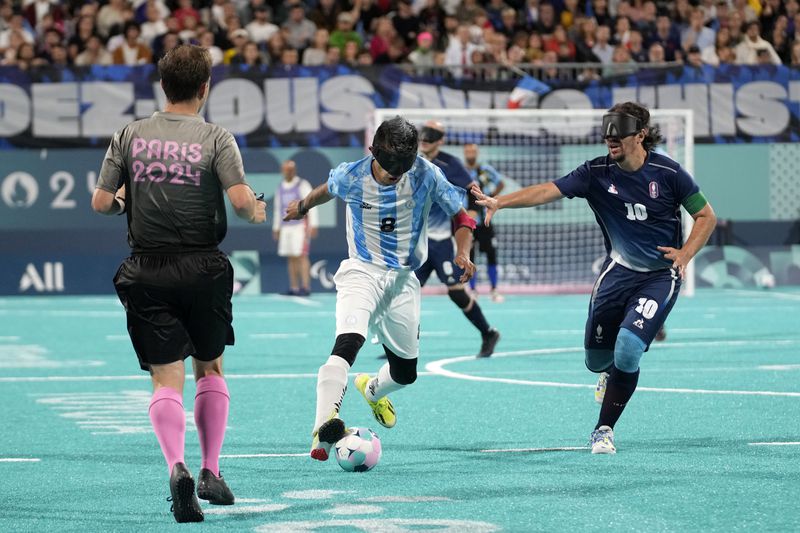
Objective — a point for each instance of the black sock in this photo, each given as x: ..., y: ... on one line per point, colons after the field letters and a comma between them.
x: 619, y: 389
x: 475, y: 315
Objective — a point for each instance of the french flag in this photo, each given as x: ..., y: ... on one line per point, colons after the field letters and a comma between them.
x: 525, y: 89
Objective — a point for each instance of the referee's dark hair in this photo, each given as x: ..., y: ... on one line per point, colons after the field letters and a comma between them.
x: 653, y: 135
x: 183, y: 70
x: 397, y: 135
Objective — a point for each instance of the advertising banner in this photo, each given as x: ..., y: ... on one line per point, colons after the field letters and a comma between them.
x: 329, y: 106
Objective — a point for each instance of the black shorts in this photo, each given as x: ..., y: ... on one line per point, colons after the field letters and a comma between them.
x: 440, y: 260
x: 177, y: 305
x: 484, y: 236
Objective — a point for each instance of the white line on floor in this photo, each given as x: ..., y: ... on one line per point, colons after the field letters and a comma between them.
x: 437, y: 367
x: 525, y: 450
x: 259, y: 455
x: 773, y: 443
x: 19, y: 460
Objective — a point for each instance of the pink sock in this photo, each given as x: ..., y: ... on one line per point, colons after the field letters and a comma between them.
x: 211, y: 418
x: 169, y: 423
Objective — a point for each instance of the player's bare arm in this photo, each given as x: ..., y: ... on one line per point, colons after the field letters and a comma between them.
x: 463, y: 235
x: 542, y: 193
x: 299, y: 208
x: 704, y: 223
x: 499, y: 189
x: 108, y: 203
x: 246, y: 205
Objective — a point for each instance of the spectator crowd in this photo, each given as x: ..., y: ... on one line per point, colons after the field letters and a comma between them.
x: 464, y: 35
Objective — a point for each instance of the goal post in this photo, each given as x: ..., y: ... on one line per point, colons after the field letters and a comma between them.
x: 558, y: 247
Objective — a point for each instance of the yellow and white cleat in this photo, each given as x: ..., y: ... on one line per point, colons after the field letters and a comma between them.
x: 382, y: 409
x: 602, y: 441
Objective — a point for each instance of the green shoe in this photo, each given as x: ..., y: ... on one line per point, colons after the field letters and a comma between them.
x: 382, y: 409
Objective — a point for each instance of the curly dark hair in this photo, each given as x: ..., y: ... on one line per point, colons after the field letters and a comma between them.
x: 396, y: 135
x: 183, y: 70
x: 653, y: 135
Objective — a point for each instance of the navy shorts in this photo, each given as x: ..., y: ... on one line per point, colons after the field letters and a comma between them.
x: 440, y: 259
x: 177, y: 305
x: 624, y: 298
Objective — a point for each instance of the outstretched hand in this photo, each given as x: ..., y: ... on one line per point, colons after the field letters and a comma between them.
x: 678, y: 258
x: 466, y: 265
x: 484, y: 201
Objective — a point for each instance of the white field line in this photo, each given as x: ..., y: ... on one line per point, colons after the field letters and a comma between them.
x: 438, y: 368
x: 534, y: 450
x: 19, y: 460
x: 261, y: 455
x: 773, y: 443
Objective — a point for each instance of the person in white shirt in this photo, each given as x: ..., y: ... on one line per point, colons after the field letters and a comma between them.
x: 261, y: 29
x: 459, y: 49
x: 294, y: 236
x: 747, y: 51
x: 602, y: 48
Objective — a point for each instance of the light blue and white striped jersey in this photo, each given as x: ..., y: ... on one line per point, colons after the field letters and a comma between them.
x: 387, y: 225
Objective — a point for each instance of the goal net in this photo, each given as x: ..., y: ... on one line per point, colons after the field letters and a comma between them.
x: 556, y: 247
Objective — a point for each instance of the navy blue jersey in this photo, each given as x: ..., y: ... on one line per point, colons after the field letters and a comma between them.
x: 439, y: 224
x: 637, y: 211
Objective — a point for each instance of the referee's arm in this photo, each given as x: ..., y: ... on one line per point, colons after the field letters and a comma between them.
x: 109, y: 203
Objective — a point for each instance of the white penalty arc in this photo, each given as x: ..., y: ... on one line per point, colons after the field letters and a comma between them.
x: 438, y: 368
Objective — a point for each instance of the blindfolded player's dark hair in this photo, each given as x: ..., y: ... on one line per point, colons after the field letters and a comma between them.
x: 396, y: 135
x: 653, y: 135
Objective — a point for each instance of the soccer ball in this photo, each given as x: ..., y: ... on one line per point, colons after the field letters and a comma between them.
x: 359, y: 450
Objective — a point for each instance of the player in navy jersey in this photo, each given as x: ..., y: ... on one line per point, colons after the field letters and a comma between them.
x: 169, y: 174
x: 636, y: 195
x: 440, y: 238
x: 491, y: 182
x: 389, y: 195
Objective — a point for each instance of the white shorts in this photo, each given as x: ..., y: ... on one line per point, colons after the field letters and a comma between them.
x: 293, y: 241
x: 384, y: 300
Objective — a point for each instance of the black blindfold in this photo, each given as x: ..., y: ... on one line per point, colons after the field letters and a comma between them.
x: 430, y: 135
x: 620, y: 125
x: 392, y: 162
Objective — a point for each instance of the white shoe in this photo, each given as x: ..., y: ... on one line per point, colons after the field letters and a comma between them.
x: 375, y: 339
x: 497, y: 297
x: 600, y: 389
x: 602, y: 440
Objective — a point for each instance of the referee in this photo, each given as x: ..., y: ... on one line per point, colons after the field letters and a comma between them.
x: 167, y: 175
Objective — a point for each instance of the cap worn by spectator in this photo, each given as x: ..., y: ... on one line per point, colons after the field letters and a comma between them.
x: 241, y: 32
x: 694, y: 49
x: 424, y: 36
x: 345, y: 17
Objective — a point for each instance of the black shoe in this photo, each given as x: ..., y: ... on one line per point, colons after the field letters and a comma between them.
x: 185, y: 506
x: 213, y: 488
x: 489, y: 342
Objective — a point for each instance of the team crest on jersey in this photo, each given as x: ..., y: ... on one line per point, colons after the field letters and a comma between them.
x: 409, y: 204
x: 365, y: 205
x: 612, y: 189
x: 653, y: 189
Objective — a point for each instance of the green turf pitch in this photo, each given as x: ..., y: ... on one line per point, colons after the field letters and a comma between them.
x: 710, y: 442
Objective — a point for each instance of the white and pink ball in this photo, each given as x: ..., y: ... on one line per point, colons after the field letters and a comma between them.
x: 359, y: 450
